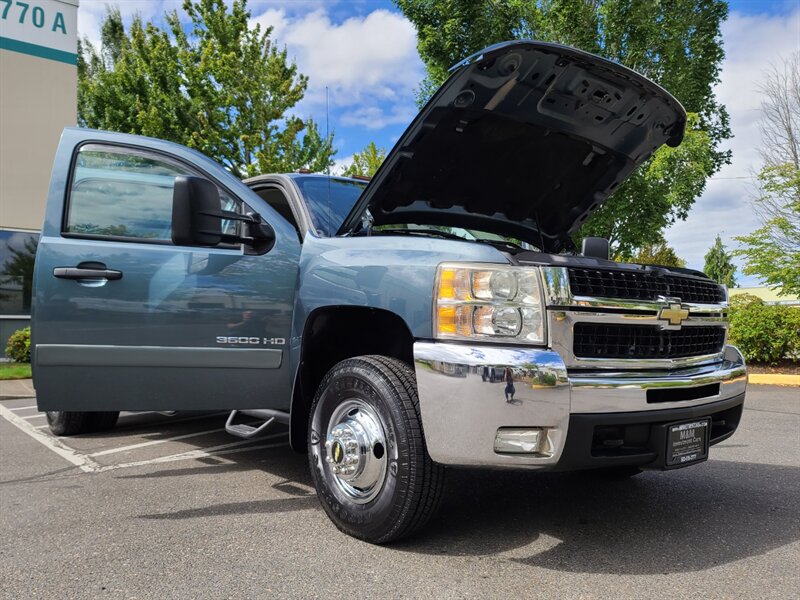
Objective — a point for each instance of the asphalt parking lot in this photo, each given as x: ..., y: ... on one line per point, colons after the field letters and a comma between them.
x: 172, y: 507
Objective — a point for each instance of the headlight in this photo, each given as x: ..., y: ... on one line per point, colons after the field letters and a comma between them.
x: 488, y: 302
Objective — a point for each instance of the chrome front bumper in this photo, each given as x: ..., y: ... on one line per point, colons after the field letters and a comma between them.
x: 462, y: 409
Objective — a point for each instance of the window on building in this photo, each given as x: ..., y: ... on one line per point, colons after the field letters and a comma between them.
x: 17, y: 253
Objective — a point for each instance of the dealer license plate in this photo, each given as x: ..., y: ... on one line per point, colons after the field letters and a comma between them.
x: 687, y: 443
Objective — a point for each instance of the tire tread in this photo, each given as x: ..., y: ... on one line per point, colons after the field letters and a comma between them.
x: 426, y: 478
x: 430, y: 492
x: 67, y: 422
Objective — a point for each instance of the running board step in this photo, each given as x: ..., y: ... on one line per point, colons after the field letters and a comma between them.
x: 249, y: 431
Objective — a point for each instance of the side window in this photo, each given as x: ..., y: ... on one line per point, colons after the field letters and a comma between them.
x: 126, y: 193
x: 277, y: 200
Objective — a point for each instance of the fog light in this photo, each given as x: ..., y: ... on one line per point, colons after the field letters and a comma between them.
x: 516, y: 440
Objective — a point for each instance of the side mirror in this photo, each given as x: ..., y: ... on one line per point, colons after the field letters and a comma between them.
x: 197, y: 218
x: 195, y: 208
x: 595, y: 247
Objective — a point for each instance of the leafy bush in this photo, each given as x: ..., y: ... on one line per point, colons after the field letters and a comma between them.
x: 764, y: 332
x: 18, y: 347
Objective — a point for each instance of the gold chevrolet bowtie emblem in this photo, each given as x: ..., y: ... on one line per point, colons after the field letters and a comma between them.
x: 674, y: 314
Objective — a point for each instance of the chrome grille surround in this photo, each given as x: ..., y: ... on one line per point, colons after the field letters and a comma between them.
x: 565, y: 310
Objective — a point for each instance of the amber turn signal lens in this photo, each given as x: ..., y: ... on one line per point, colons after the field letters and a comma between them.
x: 447, y: 279
x: 447, y: 319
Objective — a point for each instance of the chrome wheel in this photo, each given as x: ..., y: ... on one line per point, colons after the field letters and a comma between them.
x: 366, y: 450
x: 355, y: 450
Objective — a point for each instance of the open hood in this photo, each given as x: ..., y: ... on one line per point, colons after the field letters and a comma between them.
x: 525, y: 139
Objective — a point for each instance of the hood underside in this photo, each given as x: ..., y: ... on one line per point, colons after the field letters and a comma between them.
x: 525, y: 139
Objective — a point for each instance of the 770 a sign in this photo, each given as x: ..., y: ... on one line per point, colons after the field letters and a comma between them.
x: 26, y: 13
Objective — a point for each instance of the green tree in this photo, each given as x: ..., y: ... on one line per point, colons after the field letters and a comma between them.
x: 659, y: 253
x: 676, y: 43
x: 216, y: 85
x: 719, y: 264
x: 366, y: 162
x: 772, y: 252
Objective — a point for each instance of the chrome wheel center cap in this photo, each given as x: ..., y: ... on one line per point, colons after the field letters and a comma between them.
x: 355, y: 450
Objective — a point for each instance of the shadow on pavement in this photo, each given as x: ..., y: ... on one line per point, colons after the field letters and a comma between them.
x: 278, y: 505
x: 686, y: 520
x: 681, y: 521
x: 283, y: 462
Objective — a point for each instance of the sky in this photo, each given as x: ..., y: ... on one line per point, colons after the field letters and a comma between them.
x: 363, y: 53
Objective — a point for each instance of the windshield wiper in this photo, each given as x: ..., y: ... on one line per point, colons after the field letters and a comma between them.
x: 504, y: 243
x: 427, y: 232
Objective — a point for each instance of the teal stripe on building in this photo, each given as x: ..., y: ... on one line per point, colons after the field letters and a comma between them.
x: 69, y: 58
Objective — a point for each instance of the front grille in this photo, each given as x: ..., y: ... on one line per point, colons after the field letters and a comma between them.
x: 597, y: 340
x: 642, y: 285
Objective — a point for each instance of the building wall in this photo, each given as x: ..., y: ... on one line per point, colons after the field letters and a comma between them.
x: 768, y: 295
x: 38, y: 98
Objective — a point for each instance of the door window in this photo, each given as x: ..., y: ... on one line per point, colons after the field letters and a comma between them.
x: 124, y: 193
x: 278, y: 200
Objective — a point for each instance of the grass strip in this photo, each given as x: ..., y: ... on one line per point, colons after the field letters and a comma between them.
x: 14, y: 371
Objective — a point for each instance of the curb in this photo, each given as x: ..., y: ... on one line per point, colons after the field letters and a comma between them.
x: 773, y: 379
x: 11, y: 389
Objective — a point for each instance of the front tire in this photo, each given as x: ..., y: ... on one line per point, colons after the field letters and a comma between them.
x: 76, y: 422
x: 367, y: 451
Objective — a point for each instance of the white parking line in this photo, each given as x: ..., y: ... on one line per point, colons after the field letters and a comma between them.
x: 83, y: 462
x: 39, y: 416
x: 88, y: 465
x: 22, y: 408
x: 155, y: 442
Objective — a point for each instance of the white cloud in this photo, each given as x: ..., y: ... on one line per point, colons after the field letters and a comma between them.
x: 752, y: 42
x: 374, y: 117
x: 91, y: 13
x: 340, y: 164
x: 90, y: 16
x: 369, y: 64
x: 272, y: 17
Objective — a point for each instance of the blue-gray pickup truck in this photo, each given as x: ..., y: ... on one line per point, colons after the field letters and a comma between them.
x: 437, y: 315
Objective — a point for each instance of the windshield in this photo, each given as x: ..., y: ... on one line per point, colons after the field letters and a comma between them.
x: 329, y: 200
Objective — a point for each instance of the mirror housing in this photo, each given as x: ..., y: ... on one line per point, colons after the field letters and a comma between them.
x: 197, y: 218
x: 595, y: 247
x: 195, y: 204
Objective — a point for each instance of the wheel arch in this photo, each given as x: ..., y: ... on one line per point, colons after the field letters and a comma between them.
x: 335, y: 333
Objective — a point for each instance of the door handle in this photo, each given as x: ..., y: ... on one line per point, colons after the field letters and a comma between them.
x: 86, y: 273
